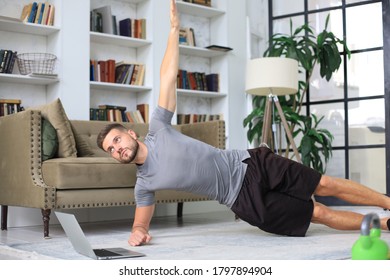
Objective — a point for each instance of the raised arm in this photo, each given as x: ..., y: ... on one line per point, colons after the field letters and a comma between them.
x: 170, y: 64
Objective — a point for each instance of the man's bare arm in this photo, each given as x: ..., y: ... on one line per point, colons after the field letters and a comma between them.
x: 140, y: 232
x: 170, y: 64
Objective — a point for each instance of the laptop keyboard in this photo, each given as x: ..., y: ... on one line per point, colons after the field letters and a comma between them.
x: 104, y: 253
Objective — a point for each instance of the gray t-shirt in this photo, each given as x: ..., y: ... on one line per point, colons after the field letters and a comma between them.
x: 178, y: 162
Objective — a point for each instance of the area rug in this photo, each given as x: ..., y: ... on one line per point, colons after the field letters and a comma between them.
x: 226, y: 240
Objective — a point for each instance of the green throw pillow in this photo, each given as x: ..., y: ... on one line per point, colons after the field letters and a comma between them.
x: 49, y: 140
x: 54, y: 112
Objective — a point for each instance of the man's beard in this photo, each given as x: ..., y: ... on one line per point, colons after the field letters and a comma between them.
x: 132, y: 151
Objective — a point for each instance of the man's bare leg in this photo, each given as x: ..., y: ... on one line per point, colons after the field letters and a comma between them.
x: 351, y: 192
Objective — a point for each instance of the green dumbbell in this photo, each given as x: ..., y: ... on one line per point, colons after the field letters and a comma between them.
x: 369, y: 246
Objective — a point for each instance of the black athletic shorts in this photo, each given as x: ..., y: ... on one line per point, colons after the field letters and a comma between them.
x: 276, y: 193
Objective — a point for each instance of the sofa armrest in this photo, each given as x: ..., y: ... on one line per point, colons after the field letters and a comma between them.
x: 21, y: 181
x: 212, y: 132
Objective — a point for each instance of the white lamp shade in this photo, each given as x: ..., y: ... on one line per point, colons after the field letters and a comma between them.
x: 276, y: 75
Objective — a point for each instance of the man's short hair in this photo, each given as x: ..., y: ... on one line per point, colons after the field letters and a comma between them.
x: 103, y: 133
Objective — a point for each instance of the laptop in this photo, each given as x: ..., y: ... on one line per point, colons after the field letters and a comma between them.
x: 81, y: 244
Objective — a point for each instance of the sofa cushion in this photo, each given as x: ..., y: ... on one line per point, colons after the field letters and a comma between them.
x: 88, y: 173
x: 83, y: 148
x: 49, y: 140
x: 86, y: 133
x: 55, y: 114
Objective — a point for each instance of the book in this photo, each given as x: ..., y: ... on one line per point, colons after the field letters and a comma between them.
x: 197, y: 118
x: 200, y: 2
x: 38, y: 17
x: 114, y: 25
x: 135, y: 28
x: 50, y: 16
x: 110, y: 69
x: 212, y: 81
x: 143, y: 28
x: 118, y: 113
x: 45, y: 76
x: 121, y: 73
x: 144, y: 111
x: 139, y: 80
x: 26, y: 12
x: 96, y: 24
x: 107, y: 106
x: 107, y: 23
x: 129, y: 73
x: 33, y: 12
x: 13, y: 101
x: 45, y: 13
x: 108, y: 112
x: 125, y: 27
x: 10, y: 106
x: 187, y: 36
x: 102, y: 71
x: 7, y: 61
x: 3, y: 58
x: 219, y: 48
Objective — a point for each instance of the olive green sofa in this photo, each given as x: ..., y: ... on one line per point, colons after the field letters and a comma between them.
x: 79, y: 175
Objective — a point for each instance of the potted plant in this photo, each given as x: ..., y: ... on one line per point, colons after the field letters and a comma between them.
x: 309, y: 50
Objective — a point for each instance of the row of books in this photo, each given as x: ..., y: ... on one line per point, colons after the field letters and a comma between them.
x: 130, y: 74
x: 120, y: 114
x: 110, y: 71
x: 135, y: 28
x: 7, y: 61
x: 196, y: 118
x: 197, y: 81
x: 102, y: 20
x: 39, y: 13
x: 10, y: 106
x: 187, y: 36
x: 200, y: 2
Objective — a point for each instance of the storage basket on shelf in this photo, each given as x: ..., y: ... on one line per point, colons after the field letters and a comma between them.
x: 37, y: 63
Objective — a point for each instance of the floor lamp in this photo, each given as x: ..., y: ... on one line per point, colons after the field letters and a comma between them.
x: 273, y: 76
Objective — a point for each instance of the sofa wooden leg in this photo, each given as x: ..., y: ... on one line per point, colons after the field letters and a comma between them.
x: 4, y: 217
x: 180, y: 209
x: 46, y: 218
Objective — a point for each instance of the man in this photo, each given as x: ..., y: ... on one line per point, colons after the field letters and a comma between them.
x: 263, y: 189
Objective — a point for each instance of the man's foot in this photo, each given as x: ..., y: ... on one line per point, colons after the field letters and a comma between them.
x: 388, y: 224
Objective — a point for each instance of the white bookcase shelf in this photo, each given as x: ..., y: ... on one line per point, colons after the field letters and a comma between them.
x: 198, y: 10
x: 119, y: 87
x: 200, y: 93
x: 28, y: 28
x: 103, y: 38
x: 25, y: 79
x: 197, y: 51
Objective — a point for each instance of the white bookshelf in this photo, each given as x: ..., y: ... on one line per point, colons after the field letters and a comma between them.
x: 120, y: 48
x: 27, y: 38
x: 70, y: 39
